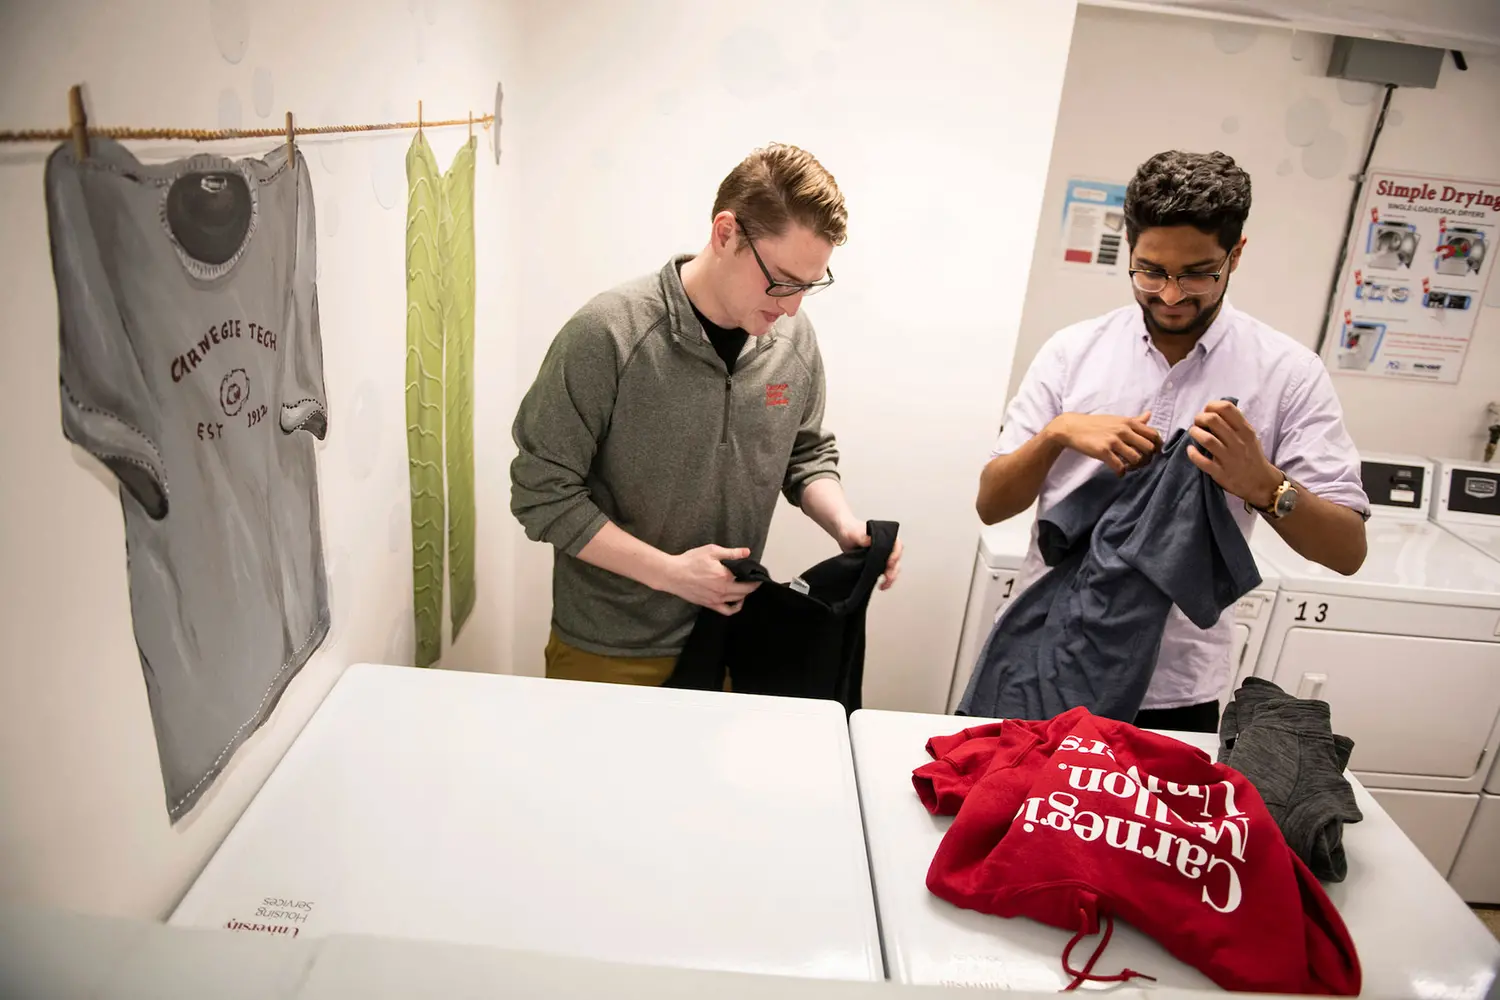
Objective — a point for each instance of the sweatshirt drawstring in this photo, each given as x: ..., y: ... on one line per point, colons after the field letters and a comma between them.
x: 1086, y: 974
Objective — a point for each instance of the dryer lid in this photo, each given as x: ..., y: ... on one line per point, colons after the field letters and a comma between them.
x: 1411, y: 561
x: 1004, y: 545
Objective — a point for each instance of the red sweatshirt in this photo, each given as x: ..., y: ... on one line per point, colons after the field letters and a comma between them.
x: 1080, y: 818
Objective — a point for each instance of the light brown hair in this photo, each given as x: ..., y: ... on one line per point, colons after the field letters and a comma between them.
x: 779, y: 185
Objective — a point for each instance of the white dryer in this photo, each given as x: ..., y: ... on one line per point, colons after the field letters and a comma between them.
x: 1252, y: 618
x: 1406, y: 652
x: 1476, y: 871
x: 1468, y: 504
x: 997, y: 569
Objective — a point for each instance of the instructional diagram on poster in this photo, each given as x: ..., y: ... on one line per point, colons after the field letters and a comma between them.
x: 1093, y: 234
x: 1415, y: 276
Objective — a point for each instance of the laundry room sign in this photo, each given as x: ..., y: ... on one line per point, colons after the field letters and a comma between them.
x: 1418, y: 263
x: 1093, y: 230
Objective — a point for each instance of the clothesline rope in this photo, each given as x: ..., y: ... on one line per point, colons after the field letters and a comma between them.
x: 213, y: 135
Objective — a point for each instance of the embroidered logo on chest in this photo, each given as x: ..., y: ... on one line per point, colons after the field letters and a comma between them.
x: 776, y: 394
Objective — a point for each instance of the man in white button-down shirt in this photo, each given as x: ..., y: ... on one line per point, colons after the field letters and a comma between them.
x: 1109, y: 390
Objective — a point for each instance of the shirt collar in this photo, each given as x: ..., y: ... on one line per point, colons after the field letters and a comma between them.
x: 684, y: 322
x: 1212, y: 337
x: 1219, y: 328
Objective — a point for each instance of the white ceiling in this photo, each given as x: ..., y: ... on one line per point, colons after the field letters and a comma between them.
x: 1471, y: 26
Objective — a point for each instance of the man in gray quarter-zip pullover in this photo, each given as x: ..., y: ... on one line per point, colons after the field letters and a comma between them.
x: 668, y: 414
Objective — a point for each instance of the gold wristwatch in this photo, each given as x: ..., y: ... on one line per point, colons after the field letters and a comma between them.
x: 1283, y: 501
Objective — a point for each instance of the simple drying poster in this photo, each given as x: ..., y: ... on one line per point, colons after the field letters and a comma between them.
x: 1093, y: 233
x: 1419, y: 260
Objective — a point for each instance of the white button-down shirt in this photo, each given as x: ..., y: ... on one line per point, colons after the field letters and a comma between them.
x: 1108, y: 365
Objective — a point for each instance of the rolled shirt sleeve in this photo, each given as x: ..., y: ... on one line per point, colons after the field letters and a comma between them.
x: 1315, y: 448
x: 1038, y: 400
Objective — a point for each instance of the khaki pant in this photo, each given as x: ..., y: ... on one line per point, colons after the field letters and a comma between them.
x: 569, y: 663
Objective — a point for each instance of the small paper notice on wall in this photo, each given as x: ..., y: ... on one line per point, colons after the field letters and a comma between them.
x: 1418, y: 263
x: 1093, y: 234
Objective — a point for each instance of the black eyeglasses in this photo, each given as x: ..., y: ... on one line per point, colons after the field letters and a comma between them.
x: 1196, y: 283
x: 786, y: 289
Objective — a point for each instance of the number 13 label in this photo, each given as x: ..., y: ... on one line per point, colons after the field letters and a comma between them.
x: 1316, y: 612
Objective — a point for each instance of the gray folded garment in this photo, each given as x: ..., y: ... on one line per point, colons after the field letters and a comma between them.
x: 1287, y: 748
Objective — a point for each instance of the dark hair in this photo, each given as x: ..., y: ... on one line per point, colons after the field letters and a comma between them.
x: 1204, y: 190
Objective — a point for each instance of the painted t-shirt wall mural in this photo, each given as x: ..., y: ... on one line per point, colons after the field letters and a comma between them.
x: 191, y: 365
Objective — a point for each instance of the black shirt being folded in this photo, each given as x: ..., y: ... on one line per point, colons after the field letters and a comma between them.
x: 803, y: 639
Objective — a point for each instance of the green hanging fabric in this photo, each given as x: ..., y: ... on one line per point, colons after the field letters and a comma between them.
x: 424, y: 396
x: 440, y: 389
x: 458, y: 333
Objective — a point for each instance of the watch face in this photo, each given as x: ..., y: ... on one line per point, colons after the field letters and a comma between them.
x: 1287, y: 502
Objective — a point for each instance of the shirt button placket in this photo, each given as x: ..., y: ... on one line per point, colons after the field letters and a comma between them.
x: 1163, y: 408
x: 1161, y: 403
x: 1164, y: 412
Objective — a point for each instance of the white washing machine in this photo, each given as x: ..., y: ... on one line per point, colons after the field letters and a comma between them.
x: 1406, y: 652
x: 1468, y: 505
x: 997, y: 569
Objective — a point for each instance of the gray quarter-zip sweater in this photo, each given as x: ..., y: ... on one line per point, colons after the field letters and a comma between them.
x: 634, y: 418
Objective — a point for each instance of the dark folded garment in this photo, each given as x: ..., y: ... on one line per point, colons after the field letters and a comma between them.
x: 1287, y: 748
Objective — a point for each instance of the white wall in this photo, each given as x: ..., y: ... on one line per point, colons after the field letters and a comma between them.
x: 619, y: 123
x: 936, y: 120
x: 1212, y: 85
x: 82, y: 818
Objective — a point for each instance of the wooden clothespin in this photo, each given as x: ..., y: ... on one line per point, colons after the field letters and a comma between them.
x: 419, y: 117
x: 471, y: 123
x: 78, y: 120
x: 291, y: 141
